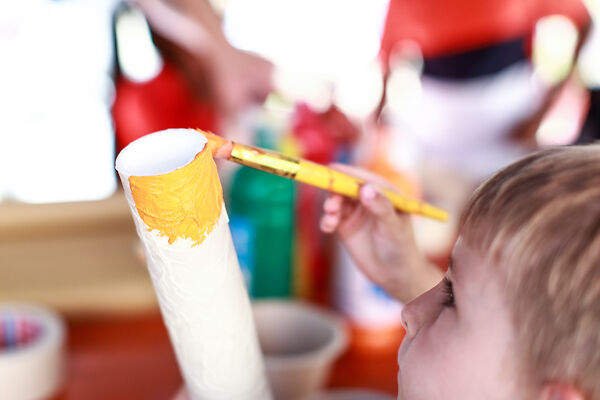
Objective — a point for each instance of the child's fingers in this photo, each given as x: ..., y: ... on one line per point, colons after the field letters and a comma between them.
x: 338, y: 204
x: 333, y: 204
x: 376, y: 202
x: 337, y: 209
x: 349, y: 206
x: 329, y: 222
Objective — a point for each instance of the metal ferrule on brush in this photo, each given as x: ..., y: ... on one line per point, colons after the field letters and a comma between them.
x: 265, y: 160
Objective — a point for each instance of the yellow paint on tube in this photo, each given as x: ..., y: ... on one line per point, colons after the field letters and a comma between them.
x: 185, y: 203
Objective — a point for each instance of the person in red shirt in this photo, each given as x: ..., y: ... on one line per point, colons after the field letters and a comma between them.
x: 481, y: 100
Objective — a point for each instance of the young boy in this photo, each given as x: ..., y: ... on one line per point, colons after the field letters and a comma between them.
x: 517, y: 315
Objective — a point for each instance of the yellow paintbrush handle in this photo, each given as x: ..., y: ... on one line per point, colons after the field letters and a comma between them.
x: 324, y: 177
x: 338, y: 182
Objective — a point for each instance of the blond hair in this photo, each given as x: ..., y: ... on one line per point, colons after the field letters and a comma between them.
x: 539, y: 219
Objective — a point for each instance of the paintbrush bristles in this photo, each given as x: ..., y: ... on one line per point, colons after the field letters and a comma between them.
x: 219, y: 147
x: 224, y: 151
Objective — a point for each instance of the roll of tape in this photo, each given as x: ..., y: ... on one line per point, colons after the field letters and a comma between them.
x: 31, y: 352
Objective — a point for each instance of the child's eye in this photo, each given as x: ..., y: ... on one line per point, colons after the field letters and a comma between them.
x: 448, y: 292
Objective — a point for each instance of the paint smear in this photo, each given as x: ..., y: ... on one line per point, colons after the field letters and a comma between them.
x: 218, y: 146
x: 185, y: 203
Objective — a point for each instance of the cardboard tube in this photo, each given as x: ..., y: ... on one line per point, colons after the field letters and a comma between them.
x: 176, y: 200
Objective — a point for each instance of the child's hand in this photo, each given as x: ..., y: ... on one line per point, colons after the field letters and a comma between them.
x: 379, y: 239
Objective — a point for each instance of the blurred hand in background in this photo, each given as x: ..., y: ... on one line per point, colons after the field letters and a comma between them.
x: 194, y: 41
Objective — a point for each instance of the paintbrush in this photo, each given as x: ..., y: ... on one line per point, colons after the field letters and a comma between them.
x: 311, y: 173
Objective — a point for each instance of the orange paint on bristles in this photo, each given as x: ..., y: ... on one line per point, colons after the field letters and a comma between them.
x: 185, y: 203
x: 219, y: 147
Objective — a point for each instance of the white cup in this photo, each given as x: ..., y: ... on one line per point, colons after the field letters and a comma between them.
x: 300, y: 342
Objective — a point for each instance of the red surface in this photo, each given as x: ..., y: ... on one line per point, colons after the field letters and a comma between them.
x: 131, y: 358
x: 120, y: 358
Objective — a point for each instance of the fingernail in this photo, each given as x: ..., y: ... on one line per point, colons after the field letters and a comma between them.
x: 369, y: 192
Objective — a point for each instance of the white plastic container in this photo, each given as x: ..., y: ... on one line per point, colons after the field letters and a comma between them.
x: 300, y: 343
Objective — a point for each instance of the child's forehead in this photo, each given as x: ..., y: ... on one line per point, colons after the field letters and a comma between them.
x: 467, y: 263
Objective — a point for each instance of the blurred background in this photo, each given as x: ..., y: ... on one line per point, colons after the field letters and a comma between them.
x: 433, y: 95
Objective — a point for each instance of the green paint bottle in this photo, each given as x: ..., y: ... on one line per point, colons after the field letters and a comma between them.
x: 262, y: 226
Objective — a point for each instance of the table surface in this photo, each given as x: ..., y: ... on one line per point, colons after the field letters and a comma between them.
x: 131, y: 358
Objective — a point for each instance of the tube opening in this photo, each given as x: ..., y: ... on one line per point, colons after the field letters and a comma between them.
x: 160, y: 152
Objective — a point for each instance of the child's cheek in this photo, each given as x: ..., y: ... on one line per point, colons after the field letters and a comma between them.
x: 427, y: 361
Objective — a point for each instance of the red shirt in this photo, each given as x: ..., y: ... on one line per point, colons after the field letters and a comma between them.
x: 449, y: 26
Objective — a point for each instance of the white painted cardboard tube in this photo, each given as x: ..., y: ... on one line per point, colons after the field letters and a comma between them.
x: 200, y: 288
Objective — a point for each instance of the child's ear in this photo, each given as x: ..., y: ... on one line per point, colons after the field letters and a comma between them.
x: 560, y: 391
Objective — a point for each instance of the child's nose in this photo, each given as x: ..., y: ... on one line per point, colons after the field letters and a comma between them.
x: 410, y: 318
x: 416, y: 313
